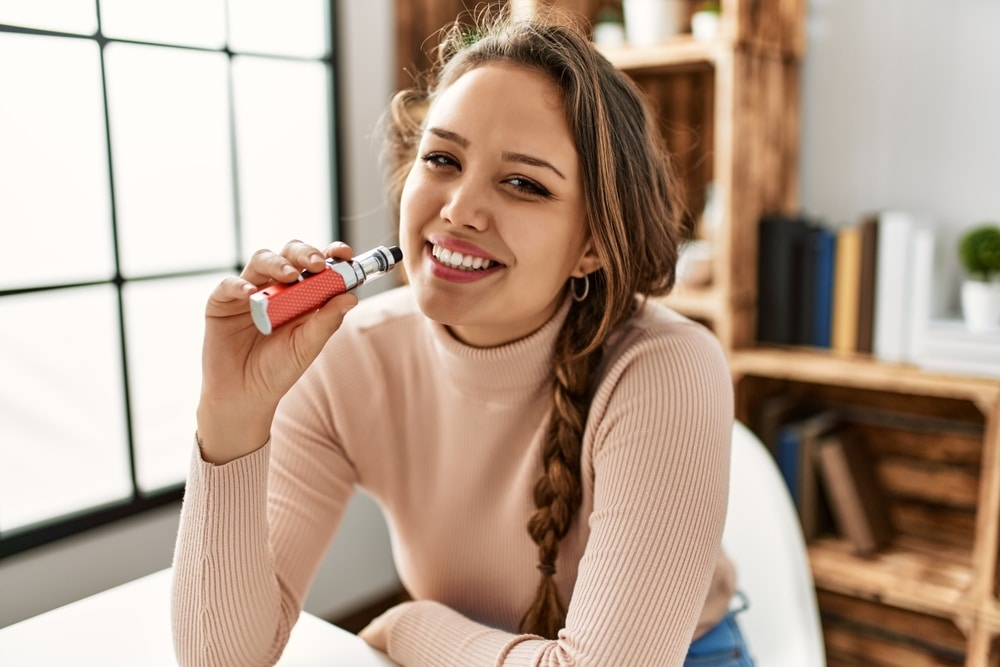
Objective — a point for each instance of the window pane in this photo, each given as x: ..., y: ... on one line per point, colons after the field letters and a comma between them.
x: 170, y: 142
x: 53, y: 162
x: 164, y: 323
x: 63, y: 441
x: 292, y: 27
x: 188, y: 22
x: 283, y: 144
x: 76, y: 16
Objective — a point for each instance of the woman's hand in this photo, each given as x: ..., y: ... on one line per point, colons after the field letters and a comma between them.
x: 376, y: 633
x: 245, y: 373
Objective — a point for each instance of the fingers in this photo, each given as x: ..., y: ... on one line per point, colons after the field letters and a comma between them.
x: 338, y: 250
x: 267, y: 265
x: 303, y: 256
x: 233, y: 288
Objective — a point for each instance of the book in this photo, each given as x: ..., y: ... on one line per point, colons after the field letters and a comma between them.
x: 950, y: 366
x: 921, y: 285
x: 773, y: 412
x: 892, y: 280
x: 780, y: 242
x: 824, y: 246
x: 869, y: 230
x: 949, y: 346
x: 804, y: 286
x: 856, y: 499
x: 846, y: 276
x: 797, y: 447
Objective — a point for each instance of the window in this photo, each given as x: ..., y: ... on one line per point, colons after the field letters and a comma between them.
x: 145, y: 150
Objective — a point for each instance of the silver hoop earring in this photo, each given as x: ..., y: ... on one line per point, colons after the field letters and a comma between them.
x: 586, y: 288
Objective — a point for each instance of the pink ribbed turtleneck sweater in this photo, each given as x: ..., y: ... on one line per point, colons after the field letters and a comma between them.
x: 446, y: 438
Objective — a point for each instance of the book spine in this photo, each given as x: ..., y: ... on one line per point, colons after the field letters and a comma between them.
x: 825, y: 242
x: 892, y: 274
x: 778, y: 259
x: 866, y: 283
x: 855, y: 497
x: 805, y: 285
x: 920, y: 289
x: 788, y: 459
x: 847, y: 265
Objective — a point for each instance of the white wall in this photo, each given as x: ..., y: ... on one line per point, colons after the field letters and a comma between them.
x: 901, y: 103
x: 358, y: 567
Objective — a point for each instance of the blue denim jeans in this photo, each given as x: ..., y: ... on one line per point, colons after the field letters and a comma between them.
x: 722, y: 646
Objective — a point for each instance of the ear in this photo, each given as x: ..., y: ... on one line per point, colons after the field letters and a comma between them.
x: 588, y: 262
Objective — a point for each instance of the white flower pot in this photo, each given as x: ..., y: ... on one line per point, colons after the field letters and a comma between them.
x: 609, y: 35
x: 705, y: 26
x: 649, y: 22
x: 981, y: 304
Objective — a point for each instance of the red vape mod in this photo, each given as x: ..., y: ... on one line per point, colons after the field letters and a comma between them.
x: 275, y: 305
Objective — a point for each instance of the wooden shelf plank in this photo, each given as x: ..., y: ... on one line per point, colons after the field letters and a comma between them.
x: 910, y: 575
x: 700, y: 303
x: 863, y: 372
x: 678, y: 51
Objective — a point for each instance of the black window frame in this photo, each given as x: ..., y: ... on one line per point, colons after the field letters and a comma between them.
x: 23, y: 539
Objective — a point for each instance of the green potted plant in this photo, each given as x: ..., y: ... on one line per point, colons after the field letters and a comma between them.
x: 979, y: 253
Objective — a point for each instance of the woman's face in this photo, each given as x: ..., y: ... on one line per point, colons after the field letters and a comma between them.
x: 493, y: 221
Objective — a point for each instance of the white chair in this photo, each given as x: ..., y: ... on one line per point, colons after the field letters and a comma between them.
x: 764, y: 539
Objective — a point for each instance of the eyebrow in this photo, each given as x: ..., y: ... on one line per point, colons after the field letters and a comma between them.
x: 508, y: 156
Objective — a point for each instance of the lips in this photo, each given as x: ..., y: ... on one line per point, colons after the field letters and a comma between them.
x: 458, y: 261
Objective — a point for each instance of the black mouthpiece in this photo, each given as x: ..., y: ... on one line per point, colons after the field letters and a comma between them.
x: 397, y: 254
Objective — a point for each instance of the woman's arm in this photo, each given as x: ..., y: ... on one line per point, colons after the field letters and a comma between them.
x: 245, y: 532
x: 253, y: 533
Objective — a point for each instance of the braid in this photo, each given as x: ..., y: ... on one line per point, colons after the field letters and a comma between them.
x: 558, y: 492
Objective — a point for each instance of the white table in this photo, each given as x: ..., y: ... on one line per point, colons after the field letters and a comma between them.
x: 129, y: 626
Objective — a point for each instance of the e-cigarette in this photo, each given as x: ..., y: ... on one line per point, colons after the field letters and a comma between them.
x: 275, y: 305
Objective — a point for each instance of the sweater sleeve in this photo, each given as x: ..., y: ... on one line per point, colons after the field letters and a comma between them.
x: 660, y: 429
x: 252, y: 535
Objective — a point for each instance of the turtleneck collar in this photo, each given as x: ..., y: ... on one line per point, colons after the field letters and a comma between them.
x: 510, y: 372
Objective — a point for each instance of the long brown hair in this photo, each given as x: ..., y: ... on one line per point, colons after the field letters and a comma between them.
x: 633, y: 215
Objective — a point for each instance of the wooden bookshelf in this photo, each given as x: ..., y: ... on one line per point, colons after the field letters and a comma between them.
x: 944, y: 500
x: 730, y: 113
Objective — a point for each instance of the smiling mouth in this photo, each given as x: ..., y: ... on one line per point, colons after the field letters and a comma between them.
x: 463, y: 262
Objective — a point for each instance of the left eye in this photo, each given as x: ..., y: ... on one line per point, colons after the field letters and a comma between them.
x: 528, y: 187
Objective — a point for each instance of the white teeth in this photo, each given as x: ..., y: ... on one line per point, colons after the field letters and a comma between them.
x: 459, y: 261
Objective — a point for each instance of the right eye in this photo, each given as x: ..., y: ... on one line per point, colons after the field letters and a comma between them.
x: 439, y: 161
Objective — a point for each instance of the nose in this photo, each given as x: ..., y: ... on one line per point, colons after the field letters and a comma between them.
x: 467, y: 205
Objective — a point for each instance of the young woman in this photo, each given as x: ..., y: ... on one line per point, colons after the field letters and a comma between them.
x: 550, y: 450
